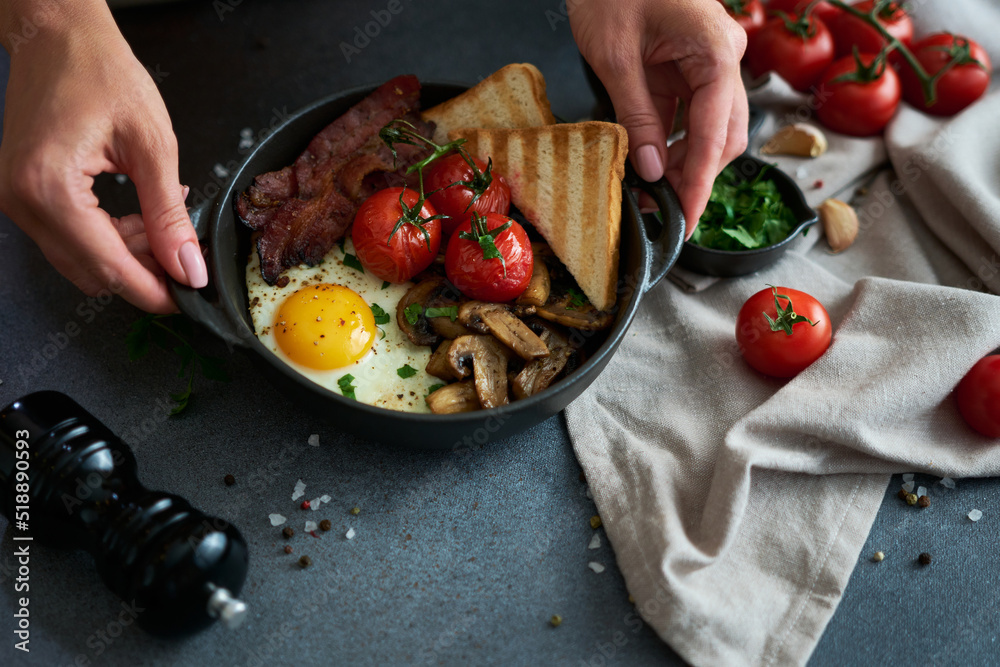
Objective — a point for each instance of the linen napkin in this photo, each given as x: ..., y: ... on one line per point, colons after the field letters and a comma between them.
x: 737, y: 504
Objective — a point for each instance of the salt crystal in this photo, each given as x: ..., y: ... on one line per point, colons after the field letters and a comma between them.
x: 947, y: 482
x: 590, y: 494
x: 310, y: 526
x: 596, y: 567
x: 595, y: 542
x: 975, y: 515
x: 121, y: 178
x: 314, y: 439
x: 245, y: 143
x: 300, y: 490
x: 908, y: 487
x: 246, y: 132
x: 801, y: 173
x: 220, y: 171
x: 316, y: 502
x: 921, y: 491
x: 350, y: 534
x: 908, y: 477
x: 276, y: 519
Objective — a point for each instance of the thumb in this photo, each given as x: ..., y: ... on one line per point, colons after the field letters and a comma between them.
x: 171, y: 236
x: 638, y: 114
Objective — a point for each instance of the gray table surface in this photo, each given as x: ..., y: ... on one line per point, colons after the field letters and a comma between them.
x: 456, y: 559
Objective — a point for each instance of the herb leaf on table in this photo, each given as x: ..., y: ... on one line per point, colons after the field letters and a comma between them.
x: 743, y: 214
x: 172, y: 332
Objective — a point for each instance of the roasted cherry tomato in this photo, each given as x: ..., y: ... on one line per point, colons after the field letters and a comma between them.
x: 415, y: 234
x: 978, y: 396
x: 957, y: 88
x: 456, y: 189
x: 850, y: 31
x: 797, y: 49
x: 489, y: 258
x: 748, y: 13
x: 780, y: 331
x: 824, y: 11
x: 861, y: 107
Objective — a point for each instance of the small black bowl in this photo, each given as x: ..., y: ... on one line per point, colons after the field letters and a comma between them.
x: 731, y: 263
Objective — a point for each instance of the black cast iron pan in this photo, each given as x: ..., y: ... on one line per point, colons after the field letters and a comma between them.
x: 648, y: 251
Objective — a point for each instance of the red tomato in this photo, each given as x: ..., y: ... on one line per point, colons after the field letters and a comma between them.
x: 849, y: 30
x: 957, y: 88
x: 489, y: 279
x: 748, y: 13
x: 978, y: 396
x: 409, y: 251
x: 799, y: 58
x: 823, y: 11
x: 456, y: 201
x: 773, y: 351
x: 856, y: 108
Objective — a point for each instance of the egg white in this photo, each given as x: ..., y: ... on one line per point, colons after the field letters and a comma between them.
x: 376, y: 380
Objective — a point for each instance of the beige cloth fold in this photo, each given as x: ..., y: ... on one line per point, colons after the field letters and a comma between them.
x: 737, y: 504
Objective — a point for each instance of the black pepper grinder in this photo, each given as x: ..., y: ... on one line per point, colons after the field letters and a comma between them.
x: 77, y: 487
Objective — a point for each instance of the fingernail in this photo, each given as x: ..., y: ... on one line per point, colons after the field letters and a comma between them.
x: 193, y: 264
x: 184, y: 192
x: 648, y: 163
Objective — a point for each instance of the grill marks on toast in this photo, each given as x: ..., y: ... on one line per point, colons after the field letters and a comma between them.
x: 566, y: 179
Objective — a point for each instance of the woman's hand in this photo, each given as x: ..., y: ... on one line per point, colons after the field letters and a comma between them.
x: 651, y: 53
x: 78, y: 104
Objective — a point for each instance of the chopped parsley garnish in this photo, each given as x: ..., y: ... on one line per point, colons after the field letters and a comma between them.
x: 385, y: 283
x: 347, y: 387
x: 406, y: 371
x: 743, y: 214
x: 431, y: 389
x: 451, y: 312
x: 381, y: 317
x: 576, y: 299
x: 413, y: 312
x: 352, y: 261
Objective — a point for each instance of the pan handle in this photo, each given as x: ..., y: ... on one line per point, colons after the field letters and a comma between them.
x: 664, y: 240
x: 191, y: 301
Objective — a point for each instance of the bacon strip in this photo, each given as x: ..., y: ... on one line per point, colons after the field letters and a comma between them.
x: 305, y: 208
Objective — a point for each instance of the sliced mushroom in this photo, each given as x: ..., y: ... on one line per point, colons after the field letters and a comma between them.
x: 497, y: 319
x: 446, y: 296
x: 488, y: 358
x: 420, y: 332
x: 539, y: 374
x: 454, y: 398
x: 583, y: 316
x: 438, y: 363
x: 537, y: 291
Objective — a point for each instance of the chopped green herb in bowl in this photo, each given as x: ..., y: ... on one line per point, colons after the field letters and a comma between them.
x: 744, y: 214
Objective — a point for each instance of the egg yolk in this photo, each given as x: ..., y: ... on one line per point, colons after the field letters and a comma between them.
x: 324, y: 326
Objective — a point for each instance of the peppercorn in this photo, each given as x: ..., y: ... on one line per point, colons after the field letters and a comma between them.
x: 229, y: 480
x: 924, y: 501
x: 305, y: 561
x: 595, y: 522
x: 325, y: 524
x: 305, y: 504
x: 355, y: 511
x: 911, y: 499
x: 878, y: 557
x: 288, y: 549
x: 818, y: 184
x: 556, y: 620
x: 925, y: 558
x: 631, y: 600
x: 902, y: 494
x: 287, y: 532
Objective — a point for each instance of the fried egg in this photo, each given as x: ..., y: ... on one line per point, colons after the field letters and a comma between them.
x: 336, y: 325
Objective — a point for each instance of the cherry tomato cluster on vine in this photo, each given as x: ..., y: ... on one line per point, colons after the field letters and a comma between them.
x: 398, y: 232
x: 812, y: 46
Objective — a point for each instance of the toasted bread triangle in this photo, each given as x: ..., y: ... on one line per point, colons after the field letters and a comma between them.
x: 513, y: 96
x: 566, y: 180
